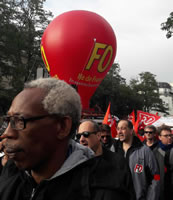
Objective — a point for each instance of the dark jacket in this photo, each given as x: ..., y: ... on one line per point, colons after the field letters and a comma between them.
x: 105, y: 177
x: 144, y: 169
x: 111, y: 145
x: 165, y: 162
x: 153, y: 146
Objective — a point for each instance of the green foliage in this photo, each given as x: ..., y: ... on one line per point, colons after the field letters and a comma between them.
x: 140, y: 94
x: 146, y: 89
x: 168, y: 26
x: 22, y: 23
x: 115, y: 90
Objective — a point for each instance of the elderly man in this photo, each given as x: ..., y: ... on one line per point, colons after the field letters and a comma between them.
x: 142, y: 163
x: 44, y: 163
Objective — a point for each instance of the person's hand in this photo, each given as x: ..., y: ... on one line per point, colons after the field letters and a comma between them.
x: 4, y: 159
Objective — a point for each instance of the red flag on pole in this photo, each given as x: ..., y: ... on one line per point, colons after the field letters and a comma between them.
x: 136, y: 127
x: 144, y: 119
x: 107, y: 116
x: 113, y: 127
x: 110, y: 121
x: 131, y: 117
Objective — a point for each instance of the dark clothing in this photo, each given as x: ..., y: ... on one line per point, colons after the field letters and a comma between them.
x: 105, y: 177
x: 164, y: 158
x: 111, y: 145
x: 154, y: 145
x: 144, y: 169
x: 1, y: 167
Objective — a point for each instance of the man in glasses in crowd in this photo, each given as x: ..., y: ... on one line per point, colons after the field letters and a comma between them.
x: 44, y: 162
x: 106, y: 138
x: 150, y: 132
x: 117, y: 173
x: 89, y: 136
x: 164, y: 156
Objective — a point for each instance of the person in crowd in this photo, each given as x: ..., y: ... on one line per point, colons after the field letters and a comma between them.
x: 142, y: 163
x: 106, y: 137
x: 117, y: 172
x: 44, y: 162
x: 150, y: 133
x: 89, y: 136
x: 163, y: 153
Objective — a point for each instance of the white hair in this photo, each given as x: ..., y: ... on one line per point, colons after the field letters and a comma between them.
x: 61, y: 98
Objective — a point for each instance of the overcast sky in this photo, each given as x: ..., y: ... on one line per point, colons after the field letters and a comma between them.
x: 141, y: 44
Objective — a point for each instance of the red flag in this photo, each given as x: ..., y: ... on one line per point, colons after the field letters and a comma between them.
x: 136, y: 127
x: 146, y: 118
x: 107, y: 117
x: 131, y: 117
x: 113, y: 127
x: 110, y: 121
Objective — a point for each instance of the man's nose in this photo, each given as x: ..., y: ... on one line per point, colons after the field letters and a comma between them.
x: 104, y: 138
x: 9, y: 133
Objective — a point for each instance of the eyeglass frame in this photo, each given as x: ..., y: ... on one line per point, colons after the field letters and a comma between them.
x: 150, y: 132
x: 24, y: 120
x: 166, y: 136
x: 86, y: 134
x: 105, y: 136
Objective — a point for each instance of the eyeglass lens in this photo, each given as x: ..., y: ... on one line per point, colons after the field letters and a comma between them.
x: 85, y: 134
x: 105, y: 136
x: 170, y: 135
x: 16, y: 122
x: 150, y: 132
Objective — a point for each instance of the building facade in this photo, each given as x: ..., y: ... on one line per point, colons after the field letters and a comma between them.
x: 166, y: 94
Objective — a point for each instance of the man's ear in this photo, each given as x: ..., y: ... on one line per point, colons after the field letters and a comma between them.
x: 64, y: 127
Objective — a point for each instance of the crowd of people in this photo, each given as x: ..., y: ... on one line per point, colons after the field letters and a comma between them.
x: 49, y: 153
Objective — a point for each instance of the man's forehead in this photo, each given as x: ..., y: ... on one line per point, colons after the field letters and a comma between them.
x: 35, y: 92
x: 148, y: 129
x: 86, y: 126
x: 166, y: 131
x: 105, y: 133
x: 28, y: 100
x: 122, y: 124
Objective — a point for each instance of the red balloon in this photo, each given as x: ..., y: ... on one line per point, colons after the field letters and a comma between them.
x: 79, y: 47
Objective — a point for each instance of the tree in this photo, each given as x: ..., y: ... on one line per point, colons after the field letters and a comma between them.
x: 104, y: 92
x: 22, y: 23
x: 115, y: 90
x: 146, y: 89
x: 168, y: 26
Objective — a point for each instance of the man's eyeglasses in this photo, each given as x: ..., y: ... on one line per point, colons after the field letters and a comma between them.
x: 150, y: 132
x: 19, y: 122
x: 166, y: 136
x: 86, y: 134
